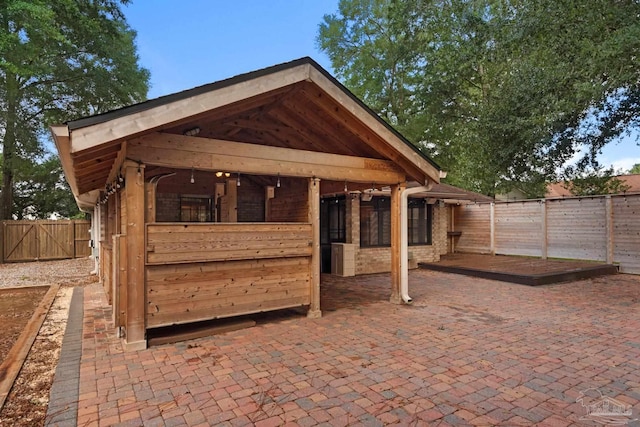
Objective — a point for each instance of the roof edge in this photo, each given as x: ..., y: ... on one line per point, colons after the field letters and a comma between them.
x: 184, y: 94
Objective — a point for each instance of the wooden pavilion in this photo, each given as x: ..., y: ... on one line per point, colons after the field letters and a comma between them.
x: 262, y: 147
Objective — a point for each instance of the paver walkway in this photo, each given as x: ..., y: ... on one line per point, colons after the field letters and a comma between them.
x: 467, y: 352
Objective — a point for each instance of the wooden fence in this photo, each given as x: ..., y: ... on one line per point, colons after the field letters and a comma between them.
x: 599, y: 228
x: 22, y: 241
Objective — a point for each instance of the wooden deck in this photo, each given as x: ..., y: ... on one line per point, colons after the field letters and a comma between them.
x: 522, y: 270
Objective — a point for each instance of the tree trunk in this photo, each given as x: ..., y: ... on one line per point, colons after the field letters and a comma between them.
x: 9, y: 148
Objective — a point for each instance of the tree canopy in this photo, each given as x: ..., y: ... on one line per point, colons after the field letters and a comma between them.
x: 635, y: 169
x: 60, y: 60
x: 501, y: 93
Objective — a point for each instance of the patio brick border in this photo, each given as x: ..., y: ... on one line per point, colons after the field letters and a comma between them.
x: 63, y: 400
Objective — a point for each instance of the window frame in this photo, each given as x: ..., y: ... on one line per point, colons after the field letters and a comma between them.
x: 381, y: 205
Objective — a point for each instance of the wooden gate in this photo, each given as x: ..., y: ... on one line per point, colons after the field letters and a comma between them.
x: 44, y: 240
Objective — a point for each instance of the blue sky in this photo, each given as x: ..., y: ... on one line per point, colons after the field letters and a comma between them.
x: 189, y: 43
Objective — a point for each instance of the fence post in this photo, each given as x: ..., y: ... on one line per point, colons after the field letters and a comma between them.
x: 1, y: 242
x: 609, y: 226
x: 492, y: 221
x: 544, y: 237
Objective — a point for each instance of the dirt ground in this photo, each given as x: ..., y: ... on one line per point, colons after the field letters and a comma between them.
x: 27, y: 402
x: 16, y: 308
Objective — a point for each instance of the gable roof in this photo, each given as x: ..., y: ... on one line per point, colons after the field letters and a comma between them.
x: 296, y: 105
x: 451, y: 193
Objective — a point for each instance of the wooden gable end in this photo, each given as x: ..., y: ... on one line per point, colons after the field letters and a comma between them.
x: 295, y: 106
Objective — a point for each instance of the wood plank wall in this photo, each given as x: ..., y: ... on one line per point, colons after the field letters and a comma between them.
x: 475, y: 220
x: 574, y: 228
x: 577, y: 228
x: 518, y: 229
x: 206, y: 271
x: 626, y: 233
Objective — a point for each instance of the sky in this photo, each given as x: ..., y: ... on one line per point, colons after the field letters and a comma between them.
x: 188, y: 43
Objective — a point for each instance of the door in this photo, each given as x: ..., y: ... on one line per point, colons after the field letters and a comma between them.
x: 332, y: 228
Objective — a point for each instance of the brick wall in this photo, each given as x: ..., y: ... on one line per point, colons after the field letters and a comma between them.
x: 441, y: 216
x: 378, y: 260
x: 250, y: 202
x: 290, y: 201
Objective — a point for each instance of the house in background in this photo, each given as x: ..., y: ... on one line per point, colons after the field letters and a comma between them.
x: 231, y: 198
x: 560, y: 189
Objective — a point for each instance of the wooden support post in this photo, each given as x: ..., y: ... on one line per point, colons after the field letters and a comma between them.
x: 232, y: 200
x: 1, y: 242
x: 150, y: 201
x: 136, y: 311
x: 396, y: 272
x: 102, y: 235
x: 453, y: 228
x: 609, y: 225
x: 543, y: 226
x: 492, y: 222
x: 314, y: 219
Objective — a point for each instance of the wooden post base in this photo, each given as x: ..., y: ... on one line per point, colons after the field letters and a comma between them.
x: 395, y: 299
x: 135, y: 345
x: 314, y: 314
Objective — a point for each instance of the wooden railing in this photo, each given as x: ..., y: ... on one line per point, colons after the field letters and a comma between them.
x: 177, y: 243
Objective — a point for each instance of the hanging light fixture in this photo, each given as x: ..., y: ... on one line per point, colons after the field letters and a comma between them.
x: 346, y: 190
x: 278, y: 181
x: 193, y: 180
x: 238, y: 180
x: 191, y: 132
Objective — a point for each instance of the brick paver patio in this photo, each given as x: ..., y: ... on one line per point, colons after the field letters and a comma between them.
x: 467, y: 352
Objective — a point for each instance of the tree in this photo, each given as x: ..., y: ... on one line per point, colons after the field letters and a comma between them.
x: 635, y: 169
x: 41, y: 191
x: 500, y: 93
x: 60, y: 60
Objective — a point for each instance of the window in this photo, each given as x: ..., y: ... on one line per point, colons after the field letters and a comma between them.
x: 375, y: 222
x: 195, y: 209
x: 332, y: 220
x: 419, y: 221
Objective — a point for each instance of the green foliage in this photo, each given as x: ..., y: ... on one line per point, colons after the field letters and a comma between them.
x: 500, y: 93
x: 595, y: 182
x: 41, y: 190
x: 635, y: 169
x: 60, y: 60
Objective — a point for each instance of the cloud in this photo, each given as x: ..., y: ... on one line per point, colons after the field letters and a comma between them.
x: 625, y: 163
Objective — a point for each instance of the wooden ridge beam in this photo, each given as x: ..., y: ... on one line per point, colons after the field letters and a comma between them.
x: 181, y: 151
